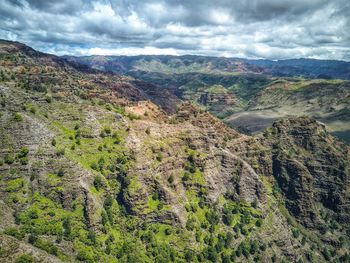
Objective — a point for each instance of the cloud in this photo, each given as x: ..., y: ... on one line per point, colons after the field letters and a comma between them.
x: 271, y: 29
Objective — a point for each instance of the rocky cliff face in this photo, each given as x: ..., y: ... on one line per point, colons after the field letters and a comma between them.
x: 93, y: 170
x: 312, y: 170
x: 219, y: 102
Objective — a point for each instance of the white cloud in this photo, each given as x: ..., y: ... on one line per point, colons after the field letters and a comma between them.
x: 259, y: 28
x: 127, y: 51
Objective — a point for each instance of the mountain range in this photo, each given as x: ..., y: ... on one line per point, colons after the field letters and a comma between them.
x: 116, y: 159
x: 247, y: 94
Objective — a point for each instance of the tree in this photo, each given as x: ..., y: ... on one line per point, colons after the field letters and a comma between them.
x: 60, y: 172
x: 98, y: 182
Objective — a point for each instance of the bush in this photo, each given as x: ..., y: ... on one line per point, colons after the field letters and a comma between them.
x: 255, y: 203
x: 295, y: 232
x: 25, y: 258
x: 228, y: 240
x: 160, y: 206
x: 212, y: 217
x: 189, y: 255
x: 84, y: 255
x: 18, y: 117
x: 171, y: 179
x: 253, y: 247
x: 92, y: 237
x: 33, y: 214
x: 107, y: 130
x: 258, y: 223
x: 133, y: 116
x: 244, y: 230
x: 159, y: 157
x: 186, y: 176
x: 9, y: 159
x: 32, y: 110
x: 60, y: 172
x: 32, y: 238
x: 48, y: 98
x: 98, y: 182
x: 49, y: 247
x: 24, y: 160
x: 104, y: 218
x: 101, y: 163
x: 212, y: 254
x: 14, y: 232
x: 94, y: 166
x: 168, y: 231
x: 67, y: 227
x: 327, y: 254
x: 117, y: 137
x: 60, y: 152
x: 23, y: 152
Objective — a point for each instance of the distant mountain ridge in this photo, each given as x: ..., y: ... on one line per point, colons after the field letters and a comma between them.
x: 307, y: 68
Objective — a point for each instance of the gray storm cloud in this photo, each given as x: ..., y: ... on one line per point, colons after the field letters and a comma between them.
x: 271, y: 29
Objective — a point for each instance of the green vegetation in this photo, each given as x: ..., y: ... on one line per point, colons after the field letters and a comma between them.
x: 25, y: 258
x: 18, y: 117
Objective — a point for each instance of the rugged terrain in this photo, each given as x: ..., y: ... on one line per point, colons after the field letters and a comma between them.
x: 325, y: 100
x: 247, y: 94
x: 98, y: 167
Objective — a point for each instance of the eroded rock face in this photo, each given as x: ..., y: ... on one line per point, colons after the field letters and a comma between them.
x: 195, y: 141
x: 218, y: 102
x: 312, y: 169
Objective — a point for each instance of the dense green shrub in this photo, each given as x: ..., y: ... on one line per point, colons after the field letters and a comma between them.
x: 259, y: 222
x: 25, y: 258
x: 9, y: 158
x: 67, y: 226
x: 32, y: 238
x: 98, y: 182
x: 15, y: 233
x: 159, y: 157
x: 60, y: 172
x: 48, y: 98
x: 326, y: 254
x: 49, y: 247
x: 18, y: 117
x: 23, y: 152
x: 295, y: 232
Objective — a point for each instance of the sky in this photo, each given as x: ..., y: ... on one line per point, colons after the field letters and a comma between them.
x: 271, y: 29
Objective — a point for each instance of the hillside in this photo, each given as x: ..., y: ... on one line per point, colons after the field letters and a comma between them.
x: 248, y: 94
x: 191, y: 77
x: 99, y: 167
